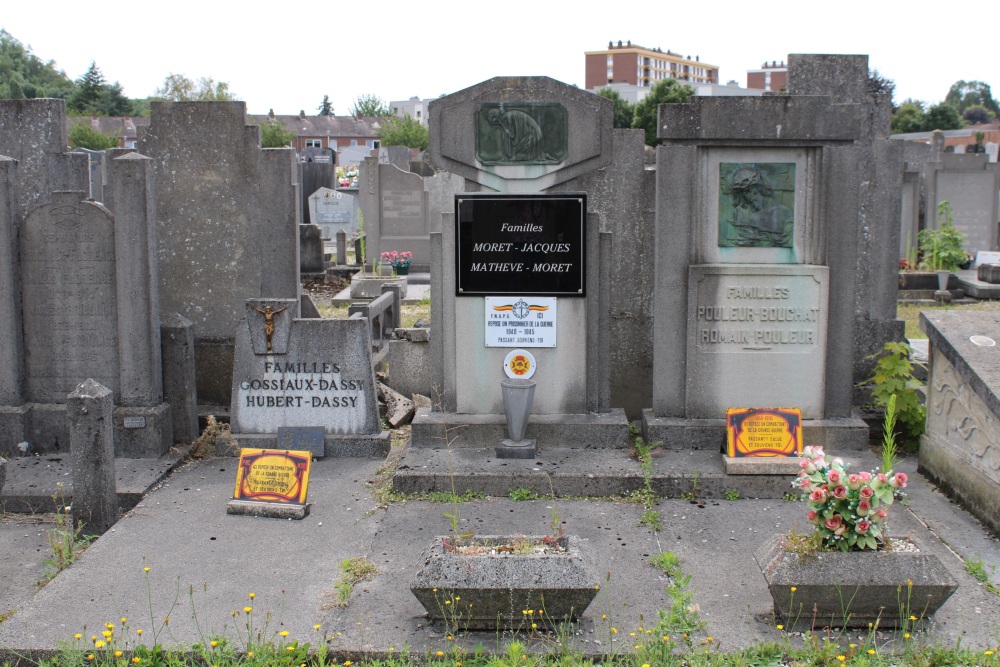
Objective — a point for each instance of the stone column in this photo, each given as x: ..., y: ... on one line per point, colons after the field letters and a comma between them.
x: 13, y: 412
x: 179, y: 384
x: 91, y: 442
x: 128, y: 196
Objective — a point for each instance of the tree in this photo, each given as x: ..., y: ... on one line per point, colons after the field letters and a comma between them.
x: 404, y: 132
x: 325, y: 108
x: 942, y: 116
x: 909, y: 117
x: 964, y: 94
x: 977, y: 113
x: 370, y: 105
x: 179, y: 88
x: 880, y: 85
x: 623, y: 111
x: 667, y: 91
x: 274, y: 134
x: 23, y: 74
x: 94, y: 95
x: 82, y: 135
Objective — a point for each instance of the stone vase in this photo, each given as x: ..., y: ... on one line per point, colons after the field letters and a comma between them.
x: 852, y: 589
x: 491, y: 591
x: 942, y: 279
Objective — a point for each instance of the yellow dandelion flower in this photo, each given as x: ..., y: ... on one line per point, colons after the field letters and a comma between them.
x: 906, y: 635
x: 447, y: 601
x: 247, y: 610
x: 871, y: 651
x: 457, y: 598
x: 909, y: 583
x: 90, y: 657
x: 913, y: 618
x: 851, y: 645
x: 841, y: 658
x: 283, y: 633
x: 289, y: 648
x: 145, y: 569
x: 614, y: 631
x: 440, y: 654
x: 604, y: 617
x: 794, y: 589
x: 987, y: 652
x: 93, y: 638
x: 109, y: 626
x: 645, y: 664
x: 136, y: 660
x: 99, y: 643
x: 348, y: 663
x: 249, y: 654
x: 534, y: 626
x: 434, y: 590
x: 709, y: 639
x: 317, y: 626
x: 597, y: 587
x: 780, y: 626
x: 631, y: 634
x: 118, y: 654
x: 213, y: 643
x: 139, y: 632
x: 252, y: 595
x: 78, y: 636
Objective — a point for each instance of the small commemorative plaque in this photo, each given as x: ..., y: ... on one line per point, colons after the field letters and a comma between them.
x: 272, y: 482
x: 763, y: 432
x: 520, y: 321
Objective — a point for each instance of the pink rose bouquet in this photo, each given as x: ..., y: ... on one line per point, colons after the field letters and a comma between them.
x: 848, y: 516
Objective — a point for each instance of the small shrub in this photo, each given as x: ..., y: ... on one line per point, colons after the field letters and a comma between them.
x: 894, y: 377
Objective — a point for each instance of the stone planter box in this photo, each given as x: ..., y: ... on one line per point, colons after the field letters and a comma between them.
x: 491, y: 591
x: 923, y: 280
x: 853, y: 589
x: 367, y: 286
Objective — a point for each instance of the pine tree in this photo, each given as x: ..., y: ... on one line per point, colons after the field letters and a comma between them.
x: 325, y: 108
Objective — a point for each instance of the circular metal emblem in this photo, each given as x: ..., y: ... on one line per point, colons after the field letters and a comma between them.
x: 519, y: 364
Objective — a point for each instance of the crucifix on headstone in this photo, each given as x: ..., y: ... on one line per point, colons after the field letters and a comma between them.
x: 268, y: 314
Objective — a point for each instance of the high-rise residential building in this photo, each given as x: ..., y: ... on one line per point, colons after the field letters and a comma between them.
x: 772, y: 76
x: 636, y: 65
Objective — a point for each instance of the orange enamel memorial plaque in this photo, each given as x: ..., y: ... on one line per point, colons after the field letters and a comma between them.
x: 763, y: 431
x: 273, y: 476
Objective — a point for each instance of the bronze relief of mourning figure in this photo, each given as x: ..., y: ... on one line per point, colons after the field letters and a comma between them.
x: 268, y: 314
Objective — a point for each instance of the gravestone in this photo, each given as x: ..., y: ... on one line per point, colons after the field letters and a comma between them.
x: 397, y: 156
x: 334, y: 211
x: 316, y: 171
x: 548, y: 234
x: 91, y: 436
x: 784, y: 296
x: 96, y: 161
x: 228, y: 214
x: 78, y: 295
x: 311, y: 254
x: 292, y: 372
x: 970, y: 184
x: 353, y: 155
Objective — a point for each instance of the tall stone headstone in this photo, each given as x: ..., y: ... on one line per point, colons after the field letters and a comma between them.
x: 316, y: 170
x: 783, y: 294
x: 305, y: 373
x: 353, y: 155
x: 228, y: 215
x: 568, y: 135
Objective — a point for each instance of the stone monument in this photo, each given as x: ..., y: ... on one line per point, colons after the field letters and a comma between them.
x: 551, y: 261
x: 782, y: 229
x: 305, y: 373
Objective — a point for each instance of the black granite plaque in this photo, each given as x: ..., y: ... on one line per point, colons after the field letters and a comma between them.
x: 521, y: 244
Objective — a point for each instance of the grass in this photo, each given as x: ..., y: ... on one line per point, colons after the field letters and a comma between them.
x: 983, y: 575
x: 352, y: 572
x: 409, y: 313
x: 910, y: 313
x: 519, y: 494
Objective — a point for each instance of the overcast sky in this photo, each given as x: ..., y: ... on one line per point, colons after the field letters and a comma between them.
x: 286, y: 55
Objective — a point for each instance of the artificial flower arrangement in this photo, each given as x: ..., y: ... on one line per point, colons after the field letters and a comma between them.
x: 347, y: 177
x: 397, y: 259
x: 845, y: 507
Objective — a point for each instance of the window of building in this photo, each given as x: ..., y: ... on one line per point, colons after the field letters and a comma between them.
x: 332, y: 143
x: 354, y: 142
x: 314, y: 143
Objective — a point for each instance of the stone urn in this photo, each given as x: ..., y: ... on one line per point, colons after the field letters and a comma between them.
x: 489, y: 582
x: 369, y: 286
x: 852, y: 589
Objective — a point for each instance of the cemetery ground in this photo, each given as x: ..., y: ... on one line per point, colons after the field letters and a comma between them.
x: 179, y: 568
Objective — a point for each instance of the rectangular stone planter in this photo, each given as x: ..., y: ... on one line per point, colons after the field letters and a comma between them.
x: 853, y: 589
x: 493, y: 591
x: 368, y: 286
